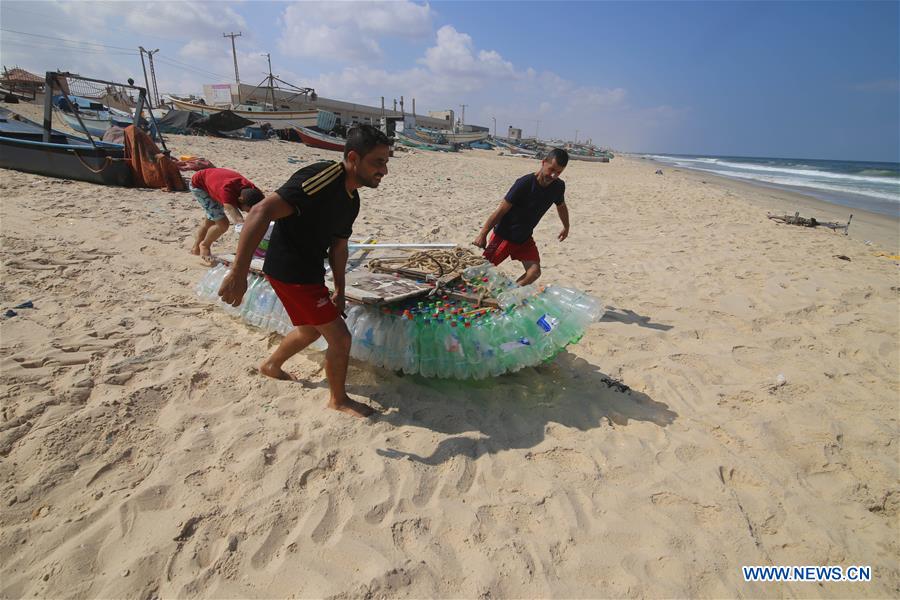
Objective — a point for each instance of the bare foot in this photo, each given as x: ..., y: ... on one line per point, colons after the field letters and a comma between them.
x: 205, y: 254
x: 275, y: 372
x: 195, y: 250
x: 352, y: 407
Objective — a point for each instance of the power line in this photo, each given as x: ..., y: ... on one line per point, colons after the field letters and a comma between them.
x: 50, y: 37
x: 170, y: 63
x: 191, y: 67
x: 50, y: 46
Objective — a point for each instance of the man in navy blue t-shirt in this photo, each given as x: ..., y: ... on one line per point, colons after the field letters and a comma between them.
x: 519, y: 213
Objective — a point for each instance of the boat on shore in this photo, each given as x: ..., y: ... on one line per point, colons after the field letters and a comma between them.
x: 22, y: 148
x: 414, y: 141
x: 320, y: 139
x: 510, y: 146
x: 97, y: 117
x: 449, y: 137
x: 595, y: 158
x: 277, y: 119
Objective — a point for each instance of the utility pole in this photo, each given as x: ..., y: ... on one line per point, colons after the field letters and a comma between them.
x: 271, y: 79
x: 576, y: 136
x: 144, y: 67
x: 494, y: 119
x: 401, y: 107
x: 463, y: 118
x: 537, y: 129
x: 150, y: 54
x: 237, y: 78
x: 155, y: 91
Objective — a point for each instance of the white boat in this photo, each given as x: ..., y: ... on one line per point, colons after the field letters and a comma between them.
x: 97, y: 118
x: 278, y: 119
x: 450, y: 137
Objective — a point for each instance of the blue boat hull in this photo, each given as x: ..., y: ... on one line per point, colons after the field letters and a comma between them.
x: 105, y: 165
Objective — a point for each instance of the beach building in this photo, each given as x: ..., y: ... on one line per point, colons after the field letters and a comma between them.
x: 447, y: 115
x: 514, y: 134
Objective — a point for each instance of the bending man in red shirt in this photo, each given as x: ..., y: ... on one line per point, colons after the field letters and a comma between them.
x: 519, y: 213
x: 223, y: 194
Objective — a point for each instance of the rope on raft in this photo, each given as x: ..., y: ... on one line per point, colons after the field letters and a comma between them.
x: 447, y: 261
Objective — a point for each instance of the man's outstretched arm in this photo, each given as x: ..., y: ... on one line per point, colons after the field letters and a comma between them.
x: 563, y: 212
x: 481, y: 238
x: 271, y: 208
x: 337, y: 258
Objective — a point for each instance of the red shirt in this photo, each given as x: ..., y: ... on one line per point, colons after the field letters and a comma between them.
x: 223, y: 185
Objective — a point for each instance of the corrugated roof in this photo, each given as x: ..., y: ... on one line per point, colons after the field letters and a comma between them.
x: 21, y: 76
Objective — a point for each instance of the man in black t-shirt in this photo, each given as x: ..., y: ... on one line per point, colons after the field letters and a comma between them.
x: 313, y: 213
x: 519, y: 213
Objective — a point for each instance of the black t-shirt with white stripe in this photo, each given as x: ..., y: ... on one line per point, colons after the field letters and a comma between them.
x: 324, y: 211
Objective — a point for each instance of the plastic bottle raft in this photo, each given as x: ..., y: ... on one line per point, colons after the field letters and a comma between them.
x: 438, y: 336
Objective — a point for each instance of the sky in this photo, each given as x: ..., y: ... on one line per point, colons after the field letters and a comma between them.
x: 777, y: 79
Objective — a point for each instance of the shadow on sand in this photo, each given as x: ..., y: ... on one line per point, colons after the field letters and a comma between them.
x: 629, y: 317
x: 512, y: 411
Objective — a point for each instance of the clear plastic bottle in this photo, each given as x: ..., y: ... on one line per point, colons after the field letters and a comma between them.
x: 514, y: 344
x: 537, y: 325
x: 257, y: 306
x: 409, y: 335
x: 491, y: 352
x: 279, y: 321
x: 208, y: 288
x: 462, y: 368
x: 236, y: 310
x: 455, y: 365
x: 363, y: 335
x: 515, y: 296
x: 427, y: 367
x: 585, y: 305
x: 253, y: 290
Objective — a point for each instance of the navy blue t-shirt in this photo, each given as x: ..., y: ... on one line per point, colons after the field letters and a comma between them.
x: 530, y: 201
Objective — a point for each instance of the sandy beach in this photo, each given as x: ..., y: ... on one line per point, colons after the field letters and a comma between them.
x: 738, y: 405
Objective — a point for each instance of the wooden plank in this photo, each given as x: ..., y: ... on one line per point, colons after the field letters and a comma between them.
x: 380, y: 288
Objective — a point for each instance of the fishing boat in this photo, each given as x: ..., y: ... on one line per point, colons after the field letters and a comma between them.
x: 514, y: 148
x: 445, y: 137
x: 277, y: 119
x: 414, y: 141
x: 595, y: 158
x: 22, y: 148
x: 320, y: 139
x: 97, y: 118
x: 481, y: 145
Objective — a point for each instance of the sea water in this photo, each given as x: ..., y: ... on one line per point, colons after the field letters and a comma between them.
x: 872, y: 186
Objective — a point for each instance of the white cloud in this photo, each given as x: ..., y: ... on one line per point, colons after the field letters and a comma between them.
x: 453, y: 70
x: 179, y: 18
x: 350, y: 31
x: 453, y: 56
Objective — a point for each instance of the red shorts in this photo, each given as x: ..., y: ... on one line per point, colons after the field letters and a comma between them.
x: 306, y: 304
x: 499, y: 250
